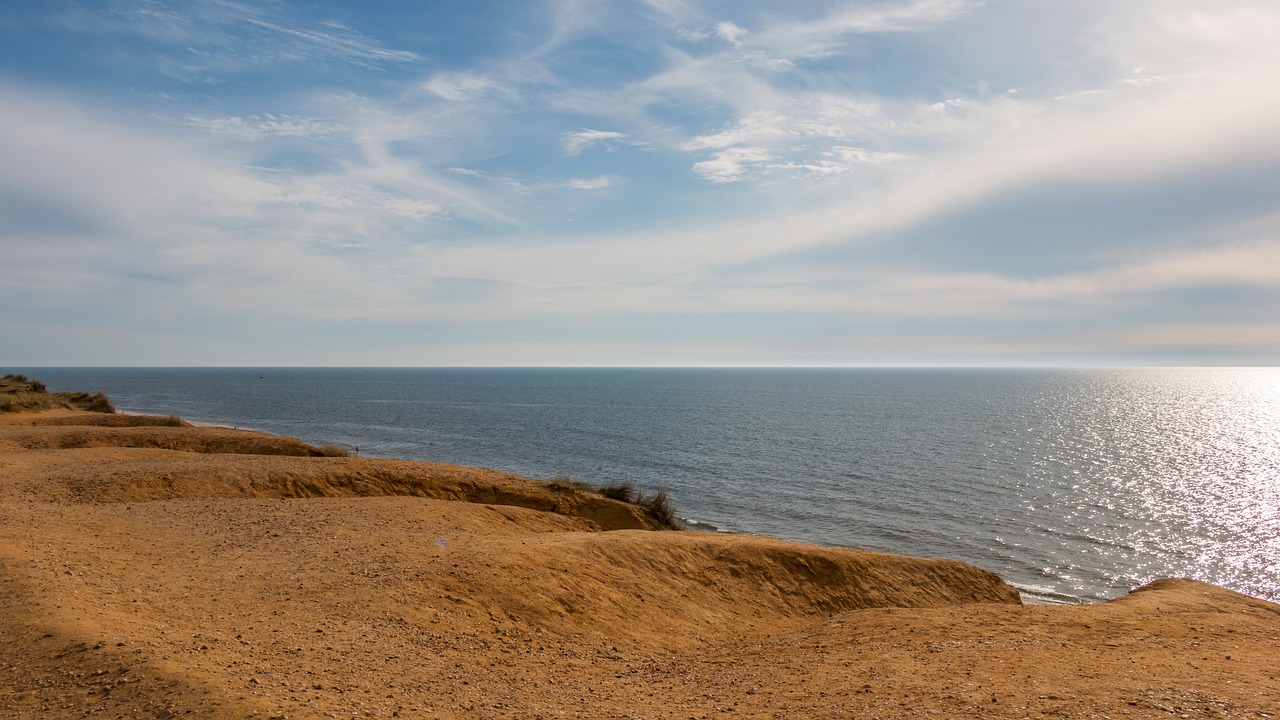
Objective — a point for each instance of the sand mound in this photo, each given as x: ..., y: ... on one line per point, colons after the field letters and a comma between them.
x: 364, y: 596
x: 677, y: 590
x: 113, y: 475
x: 88, y: 462
x: 146, y: 581
x: 65, y: 418
x: 182, y: 439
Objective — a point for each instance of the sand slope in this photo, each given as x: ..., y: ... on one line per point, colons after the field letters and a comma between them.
x: 158, y: 571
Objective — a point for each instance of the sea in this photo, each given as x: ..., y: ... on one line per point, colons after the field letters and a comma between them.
x: 1075, y: 486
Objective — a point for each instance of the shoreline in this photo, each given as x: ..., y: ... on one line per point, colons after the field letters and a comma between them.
x: 1028, y: 595
x: 161, y: 570
x: 994, y: 508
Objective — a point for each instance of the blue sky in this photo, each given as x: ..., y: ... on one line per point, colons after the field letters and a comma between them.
x: 648, y: 182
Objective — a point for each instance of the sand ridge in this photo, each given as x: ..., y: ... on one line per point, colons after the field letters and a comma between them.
x: 166, y: 571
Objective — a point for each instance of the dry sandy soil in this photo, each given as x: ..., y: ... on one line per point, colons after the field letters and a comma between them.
x: 157, y: 572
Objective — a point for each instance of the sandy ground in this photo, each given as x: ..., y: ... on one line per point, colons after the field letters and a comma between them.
x: 157, y: 572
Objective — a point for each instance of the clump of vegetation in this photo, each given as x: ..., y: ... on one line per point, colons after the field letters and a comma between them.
x: 331, y: 449
x: 659, y: 509
x: 564, y: 483
x: 656, y: 506
x: 150, y: 421
x: 624, y: 491
x: 19, y: 394
x: 97, y: 402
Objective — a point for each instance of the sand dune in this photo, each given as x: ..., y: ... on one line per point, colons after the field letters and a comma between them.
x: 154, y: 571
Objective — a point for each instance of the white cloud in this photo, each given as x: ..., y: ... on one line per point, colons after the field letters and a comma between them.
x: 732, y: 164
x: 576, y: 142
x: 599, y: 183
x: 840, y: 160
x: 759, y: 126
x: 1186, y: 37
x: 821, y: 117
x: 463, y: 86
x: 811, y: 138
x: 204, y: 218
x: 730, y: 32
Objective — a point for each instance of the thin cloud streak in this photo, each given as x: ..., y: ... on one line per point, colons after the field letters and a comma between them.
x: 827, y: 36
x: 339, y: 42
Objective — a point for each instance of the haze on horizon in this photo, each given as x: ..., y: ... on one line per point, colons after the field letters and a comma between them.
x: 642, y: 182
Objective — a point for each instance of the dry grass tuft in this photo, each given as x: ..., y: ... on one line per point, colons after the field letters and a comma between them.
x: 659, y: 508
x: 19, y: 394
x: 622, y: 491
x: 656, y: 506
x: 331, y: 449
x: 566, y: 484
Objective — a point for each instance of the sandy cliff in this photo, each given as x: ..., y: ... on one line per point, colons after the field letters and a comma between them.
x: 155, y: 571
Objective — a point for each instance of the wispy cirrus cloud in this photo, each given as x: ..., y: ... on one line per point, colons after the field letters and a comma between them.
x: 773, y: 39
x: 225, y: 34
x: 334, y: 40
x: 462, y: 86
x: 268, y: 125
x: 884, y: 17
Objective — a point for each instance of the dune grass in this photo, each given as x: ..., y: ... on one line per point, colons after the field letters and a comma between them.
x: 657, y: 505
x: 332, y: 449
x: 19, y: 394
x: 157, y: 421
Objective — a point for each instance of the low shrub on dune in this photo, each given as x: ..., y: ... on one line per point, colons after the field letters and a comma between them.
x: 19, y: 394
x: 657, y: 506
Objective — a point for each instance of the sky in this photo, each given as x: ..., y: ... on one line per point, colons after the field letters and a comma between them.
x: 640, y: 182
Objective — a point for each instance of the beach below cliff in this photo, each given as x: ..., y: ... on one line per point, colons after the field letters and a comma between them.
x: 153, y: 569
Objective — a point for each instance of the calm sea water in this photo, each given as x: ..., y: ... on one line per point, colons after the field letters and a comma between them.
x: 1072, y: 485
